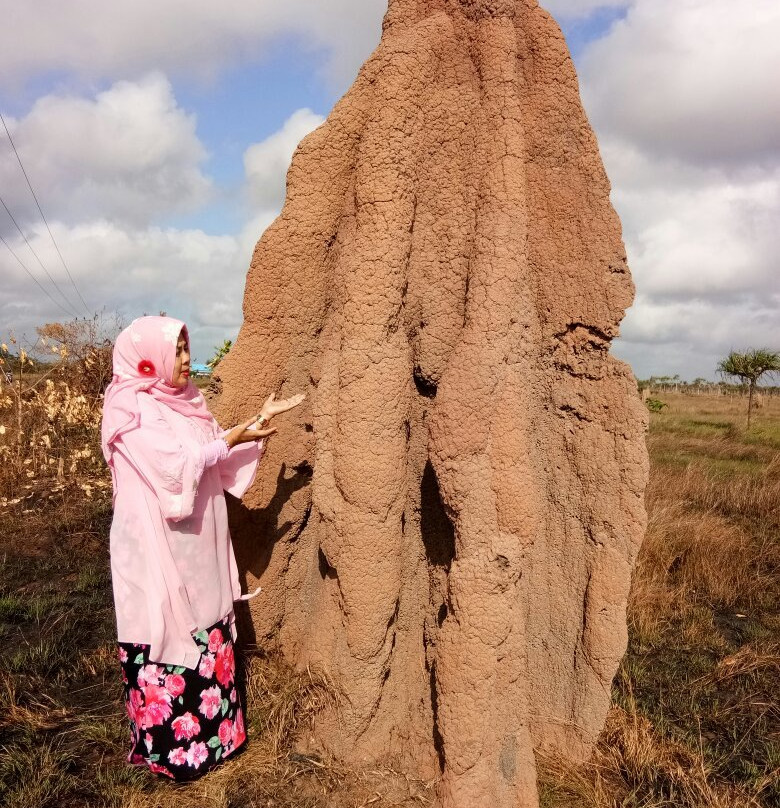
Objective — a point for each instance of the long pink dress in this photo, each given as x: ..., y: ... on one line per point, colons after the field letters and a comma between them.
x: 174, y: 573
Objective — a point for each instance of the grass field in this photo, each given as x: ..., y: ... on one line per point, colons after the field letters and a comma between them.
x: 696, y: 715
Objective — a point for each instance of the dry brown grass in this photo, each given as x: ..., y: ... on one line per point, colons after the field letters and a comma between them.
x: 696, y: 719
x: 699, y: 549
x: 697, y: 714
x: 634, y: 766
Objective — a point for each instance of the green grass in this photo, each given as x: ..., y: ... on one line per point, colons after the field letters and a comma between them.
x: 35, y: 773
x: 764, y: 434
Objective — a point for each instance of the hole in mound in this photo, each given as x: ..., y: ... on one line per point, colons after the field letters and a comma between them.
x: 326, y: 571
x: 425, y: 387
x: 438, y: 534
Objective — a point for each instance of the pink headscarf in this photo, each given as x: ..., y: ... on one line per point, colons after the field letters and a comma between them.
x: 144, y: 360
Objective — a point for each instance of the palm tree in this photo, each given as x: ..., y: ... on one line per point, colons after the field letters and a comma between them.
x: 749, y: 367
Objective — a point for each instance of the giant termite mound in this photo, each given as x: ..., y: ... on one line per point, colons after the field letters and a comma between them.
x: 452, y: 535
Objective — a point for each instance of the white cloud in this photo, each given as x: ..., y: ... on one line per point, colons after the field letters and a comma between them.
x: 129, y: 154
x: 680, y: 92
x: 135, y: 269
x: 690, y: 78
x: 696, y: 233
x: 690, y: 336
x: 187, y: 273
x: 266, y: 163
x: 681, y: 95
x: 96, y: 39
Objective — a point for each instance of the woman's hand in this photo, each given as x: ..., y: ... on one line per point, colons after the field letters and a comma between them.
x: 273, y: 407
x: 243, y: 433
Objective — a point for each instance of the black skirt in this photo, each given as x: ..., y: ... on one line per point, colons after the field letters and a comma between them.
x: 184, y: 722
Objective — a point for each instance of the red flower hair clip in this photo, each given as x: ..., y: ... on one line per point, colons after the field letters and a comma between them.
x: 146, y: 368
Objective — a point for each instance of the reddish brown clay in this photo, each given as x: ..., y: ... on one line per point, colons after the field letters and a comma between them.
x: 453, y: 533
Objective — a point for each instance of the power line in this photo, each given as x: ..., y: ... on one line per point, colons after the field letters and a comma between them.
x: 43, y: 289
x: 48, y: 275
x: 29, y: 185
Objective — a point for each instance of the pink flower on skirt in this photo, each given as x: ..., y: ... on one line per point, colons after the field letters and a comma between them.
x: 156, y: 767
x: 225, y: 665
x: 174, y: 684
x: 185, y: 726
x: 157, y: 708
x: 177, y: 756
x: 196, y: 754
x: 150, y: 675
x: 215, y: 639
x: 210, y: 701
x: 206, y: 667
x: 135, y: 706
x: 225, y: 732
x: 239, y: 733
x: 122, y: 655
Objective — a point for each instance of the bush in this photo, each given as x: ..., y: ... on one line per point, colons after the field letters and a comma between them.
x: 654, y: 405
x: 50, y: 414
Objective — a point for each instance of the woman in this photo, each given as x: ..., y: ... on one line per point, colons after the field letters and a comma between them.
x: 172, y: 565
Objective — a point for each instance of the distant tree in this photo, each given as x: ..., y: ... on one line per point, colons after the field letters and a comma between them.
x: 749, y: 367
x: 220, y: 353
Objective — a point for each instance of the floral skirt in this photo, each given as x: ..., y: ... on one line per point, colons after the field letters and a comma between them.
x: 183, y: 722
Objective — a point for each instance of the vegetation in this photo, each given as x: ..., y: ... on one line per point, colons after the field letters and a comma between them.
x: 655, y: 405
x: 696, y: 715
x: 749, y: 367
x: 695, y: 720
x: 220, y: 352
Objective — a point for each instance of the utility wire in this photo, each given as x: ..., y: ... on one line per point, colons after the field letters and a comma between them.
x: 48, y: 275
x: 43, y: 289
x: 29, y: 185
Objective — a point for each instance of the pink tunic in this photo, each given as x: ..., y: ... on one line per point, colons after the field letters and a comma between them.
x: 172, y: 560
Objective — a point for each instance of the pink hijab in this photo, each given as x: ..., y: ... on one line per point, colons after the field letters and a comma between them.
x: 144, y: 360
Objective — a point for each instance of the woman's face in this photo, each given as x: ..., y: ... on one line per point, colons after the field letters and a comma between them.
x: 181, y: 370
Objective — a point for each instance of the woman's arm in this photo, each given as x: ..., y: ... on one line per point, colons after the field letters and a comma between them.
x: 245, y: 433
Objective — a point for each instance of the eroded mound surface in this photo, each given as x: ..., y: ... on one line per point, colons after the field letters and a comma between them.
x: 453, y: 534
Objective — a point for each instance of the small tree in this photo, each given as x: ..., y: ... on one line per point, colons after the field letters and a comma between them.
x: 749, y: 367
x: 84, y: 348
x: 220, y: 352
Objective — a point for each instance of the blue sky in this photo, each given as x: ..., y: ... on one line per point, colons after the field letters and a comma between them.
x: 157, y: 138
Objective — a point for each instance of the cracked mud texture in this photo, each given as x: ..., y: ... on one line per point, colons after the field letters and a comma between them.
x: 453, y: 533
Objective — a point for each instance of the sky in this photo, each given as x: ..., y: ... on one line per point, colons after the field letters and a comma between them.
x: 157, y: 137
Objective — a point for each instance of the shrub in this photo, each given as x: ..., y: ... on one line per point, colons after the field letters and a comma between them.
x: 654, y: 405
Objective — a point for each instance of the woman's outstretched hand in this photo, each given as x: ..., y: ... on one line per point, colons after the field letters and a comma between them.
x: 243, y: 433
x: 273, y: 407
